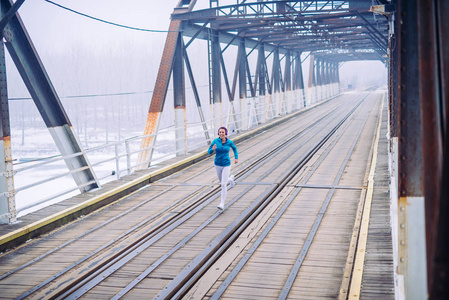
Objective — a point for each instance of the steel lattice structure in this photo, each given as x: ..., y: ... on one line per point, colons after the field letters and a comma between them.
x: 410, y: 36
x: 331, y: 31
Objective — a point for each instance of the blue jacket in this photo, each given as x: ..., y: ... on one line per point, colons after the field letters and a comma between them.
x: 222, y: 152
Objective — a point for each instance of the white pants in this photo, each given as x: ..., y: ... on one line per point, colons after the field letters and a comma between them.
x: 223, y: 177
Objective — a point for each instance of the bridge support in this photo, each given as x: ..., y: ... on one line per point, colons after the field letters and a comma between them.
x: 47, y: 101
x: 319, y: 79
x: 179, y: 98
x: 298, y: 82
x: 241, y: 66
x: 262, y: 80
x: 311, y: 86
x: 420, y: 132
x: 215, y: 79
x: 276, y: 89
x: 7, y: 192
x: 288, y: 104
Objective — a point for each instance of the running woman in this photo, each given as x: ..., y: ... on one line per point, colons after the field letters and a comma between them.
x: 221, y: 146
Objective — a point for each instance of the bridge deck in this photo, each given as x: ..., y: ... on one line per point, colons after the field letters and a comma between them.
x: 303, y: 243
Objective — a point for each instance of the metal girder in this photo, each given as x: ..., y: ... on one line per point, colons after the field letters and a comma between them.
x: 271, y: 7
x: 288, y: 72
x: 440, y: 275
x: 161, y: 85
x: 275, y: 74
x: 225, y: 37
x: 433, y: 49
x: 46, y: 99
x: 11, y: 12
x: 261, y: 72
x: 411, y: 183
x: 8, y: 213
x: 159, y: 95
x: 196, y: 96
x: 299, y: 25
x: 241, y: 68
x: 179, y: 98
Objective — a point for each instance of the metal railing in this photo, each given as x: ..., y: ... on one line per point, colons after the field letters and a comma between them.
x: 122, y: 156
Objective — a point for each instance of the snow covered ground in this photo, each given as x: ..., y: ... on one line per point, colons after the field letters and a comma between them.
x: 46, y: 168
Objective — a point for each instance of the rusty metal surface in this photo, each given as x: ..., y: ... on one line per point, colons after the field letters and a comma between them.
x: 7, y: 191
x: 431, y: 125
x: 410, y: 135
x: 421, y: 87
x: 160, y: 90
x: 439, y: 258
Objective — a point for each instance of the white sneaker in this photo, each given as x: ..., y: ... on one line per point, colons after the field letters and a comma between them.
x: 231, y: 181
x: 220, y: 207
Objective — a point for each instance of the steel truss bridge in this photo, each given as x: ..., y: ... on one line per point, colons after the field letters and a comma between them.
x: 408, y: 36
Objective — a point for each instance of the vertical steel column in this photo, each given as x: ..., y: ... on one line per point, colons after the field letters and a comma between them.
x: 329, y: 78
x: 441, y: 259
x: 7, y: 192
x: 312, y: 82
x: 335, y: 78
x: 319, y: 79
x: 300, y: 80
x: 323, y: 78
x: 261, y: 73
x: 179, y: 98
x: 241, y: 56
x: 216, y: 79
x: 288, y: 72
x: 261, y: 70
x: 276, y: 82
x: 432, y: 131
x: 412, y: 244
x: 242, y: 70
x: 337, y: 73
x: 332, y: 78
x: 326, y: 78
x: 47, y: 101
x: 288, y: 82
x: 295, y: 75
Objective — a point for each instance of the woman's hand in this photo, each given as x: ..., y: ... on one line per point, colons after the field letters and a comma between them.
x: 214, y: 147
x: 236, y: 161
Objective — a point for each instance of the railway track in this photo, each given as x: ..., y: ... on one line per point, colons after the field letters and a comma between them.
x: 169, y: 250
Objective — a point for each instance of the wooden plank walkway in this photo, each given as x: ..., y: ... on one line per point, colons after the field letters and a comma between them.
x: 378, y: 273
x: 264, y: 275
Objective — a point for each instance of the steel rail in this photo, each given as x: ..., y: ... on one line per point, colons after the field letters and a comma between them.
x: 109, y: 221
x: 178, y: 246
x: 83, y: 285
x: 199, y: 265
x: 226, y: 282
x: 29, y: 263
x: 98, y: 250
x: 39, y: 286
x: 305, y: 249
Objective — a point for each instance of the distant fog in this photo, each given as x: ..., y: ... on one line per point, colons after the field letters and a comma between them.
x: 114, y: 70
